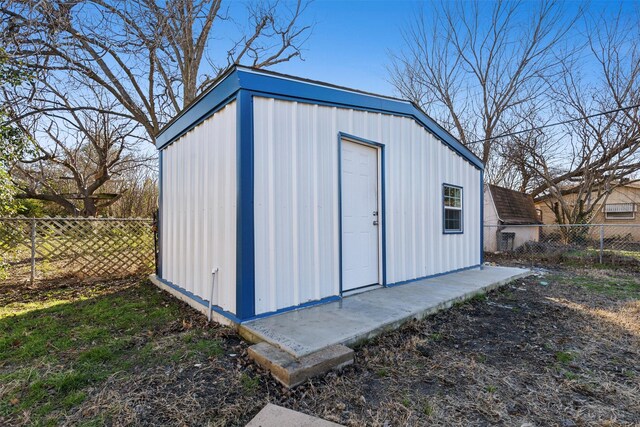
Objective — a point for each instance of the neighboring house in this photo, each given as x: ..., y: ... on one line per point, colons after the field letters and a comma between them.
x: 299, y: 192
x: 510, y: 219
x: 620, y: 209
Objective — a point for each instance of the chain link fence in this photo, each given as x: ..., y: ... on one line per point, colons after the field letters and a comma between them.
x: 55, y: 248
x: 551, y: 243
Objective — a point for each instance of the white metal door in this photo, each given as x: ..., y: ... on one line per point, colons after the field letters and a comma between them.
x: 360, y: 216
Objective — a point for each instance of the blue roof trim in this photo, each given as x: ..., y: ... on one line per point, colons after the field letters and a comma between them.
x: 200, y: 109
x: 289, y: 86
x: 274, y: 84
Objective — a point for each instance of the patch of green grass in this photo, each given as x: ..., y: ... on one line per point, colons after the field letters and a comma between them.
x: 436, y: 336
x: 594, y: 253
x: 100, y: 354
x: 491, y: 388
x: 249, y: 384
x: 382, y: 372
x: 570, y: 375
x: 466, y: 302
x: 195, y: 345
x: 617, y: 288
x: 406, y: 402
x: 625, y: 287
x: 207, y: 347
x: 478, y: 298
x: 427, y: 409
x: 73, y: 399
x: 54, y: 350
x: 564, y: 356
x: 68, y: 381
x: 508, y: 295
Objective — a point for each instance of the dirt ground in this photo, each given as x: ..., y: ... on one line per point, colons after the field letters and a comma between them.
x: 559, y: 348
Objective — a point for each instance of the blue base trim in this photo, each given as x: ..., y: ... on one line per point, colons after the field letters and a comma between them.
x: 338, y: 298
x: 322, y: 301
x: 235, y: 319
x: 434, y: 275
x: 295, y: 307
x: 199, y: 300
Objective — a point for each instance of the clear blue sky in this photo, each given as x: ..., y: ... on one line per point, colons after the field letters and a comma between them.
x: 350, y: 42
x: 352, y: 39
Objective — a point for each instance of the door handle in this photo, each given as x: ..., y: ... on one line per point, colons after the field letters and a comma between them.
x: 375, y: 222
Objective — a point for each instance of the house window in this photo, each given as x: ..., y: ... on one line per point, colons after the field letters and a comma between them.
x: 452, y: 199
x: 620, y: 211
x: 539, y: 214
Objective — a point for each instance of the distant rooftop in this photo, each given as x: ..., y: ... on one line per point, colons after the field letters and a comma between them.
x: 513, y: 207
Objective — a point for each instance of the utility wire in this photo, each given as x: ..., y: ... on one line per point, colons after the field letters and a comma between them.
x: 564, y: 122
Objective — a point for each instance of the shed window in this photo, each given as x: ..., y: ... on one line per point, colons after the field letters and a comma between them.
x: 619, y: 210
x: 452, y: 199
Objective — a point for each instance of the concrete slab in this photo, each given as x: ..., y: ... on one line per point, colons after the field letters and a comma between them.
x: 277, y: 416
x: 291, y: 371
x: 363, y: 316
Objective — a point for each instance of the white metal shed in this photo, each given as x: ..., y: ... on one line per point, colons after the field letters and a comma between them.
x: 299, y: 192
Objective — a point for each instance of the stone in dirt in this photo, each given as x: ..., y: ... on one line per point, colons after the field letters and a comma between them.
x: 291, y: 371
x: 277, y: 416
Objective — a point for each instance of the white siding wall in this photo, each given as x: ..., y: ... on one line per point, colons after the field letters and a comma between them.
x: 524, y: 234
x: 491, y: 222
x: 199, y: 195
x: 296, y: 200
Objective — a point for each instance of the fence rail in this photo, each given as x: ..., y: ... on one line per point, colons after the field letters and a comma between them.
x: 597, y: 243
x: 49, y: 248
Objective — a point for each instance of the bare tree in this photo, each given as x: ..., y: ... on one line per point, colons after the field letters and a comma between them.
x: 141, y: 198
x: 575, y: 171
x: 475, y: 65
x: 106, y: 74
x: 76, y: 154
x: 152, y: 58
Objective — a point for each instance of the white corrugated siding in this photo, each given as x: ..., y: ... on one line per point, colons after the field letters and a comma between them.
x: 199, y: 196
x: 296, y: 200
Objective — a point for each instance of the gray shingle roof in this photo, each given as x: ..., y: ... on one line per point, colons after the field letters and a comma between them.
x: 514, y: 207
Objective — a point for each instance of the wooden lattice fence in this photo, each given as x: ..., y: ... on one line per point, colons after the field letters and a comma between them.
x: 50, y: 248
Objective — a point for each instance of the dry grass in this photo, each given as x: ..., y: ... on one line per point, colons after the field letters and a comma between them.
x: 562, y: 349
